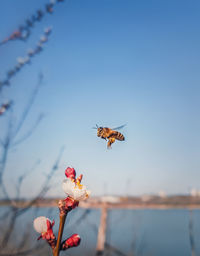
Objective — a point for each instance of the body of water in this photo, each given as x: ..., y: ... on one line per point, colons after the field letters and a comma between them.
x: 129, y: 232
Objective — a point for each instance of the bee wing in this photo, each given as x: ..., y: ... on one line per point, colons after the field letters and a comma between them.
x: 95, y: 127
x: 119, y: 127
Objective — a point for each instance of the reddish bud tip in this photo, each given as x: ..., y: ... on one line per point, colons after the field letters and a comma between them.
x: 70, y: 173
x: 72, y: 241
x: 49, y: 225
x: 67, y: 205
x: 71, y: 203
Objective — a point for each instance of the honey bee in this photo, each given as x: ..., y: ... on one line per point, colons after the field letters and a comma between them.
x: 110, y: 134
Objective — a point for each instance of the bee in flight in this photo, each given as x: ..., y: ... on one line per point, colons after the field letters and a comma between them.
x: 110, y: 134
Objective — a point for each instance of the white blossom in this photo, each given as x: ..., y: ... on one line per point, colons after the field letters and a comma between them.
x: 40, y: 224
x: 20, y: 60
x: 48, y: 30
x: 76, y: 191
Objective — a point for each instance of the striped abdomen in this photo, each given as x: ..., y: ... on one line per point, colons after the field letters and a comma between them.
x: 120, y: 136
x: 117, y: 135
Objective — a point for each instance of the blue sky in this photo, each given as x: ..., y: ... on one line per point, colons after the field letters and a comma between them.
x: 109, y: 62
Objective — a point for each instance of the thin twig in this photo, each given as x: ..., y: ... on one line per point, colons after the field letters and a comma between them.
x: 25, y: 252
x: 30, y: 132
x: 29, y: 105
x: 9, y: 229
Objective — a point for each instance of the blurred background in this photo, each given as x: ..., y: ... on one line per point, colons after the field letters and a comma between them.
x: 66, y: 66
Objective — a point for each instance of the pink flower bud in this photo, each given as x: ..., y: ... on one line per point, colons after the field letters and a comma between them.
x: 71, y: 203
x: 16, y: 34
x: 44, y: 226
x: 70, y: 173
x: 72, y: 241
x: 67, y: 205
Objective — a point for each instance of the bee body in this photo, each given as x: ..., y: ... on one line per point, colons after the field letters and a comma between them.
x: 111, y: 135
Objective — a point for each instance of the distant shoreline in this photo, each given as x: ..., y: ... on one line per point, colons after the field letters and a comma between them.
x: 114, y: 202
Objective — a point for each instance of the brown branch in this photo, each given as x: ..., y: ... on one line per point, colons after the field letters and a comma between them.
x: 56, y: 251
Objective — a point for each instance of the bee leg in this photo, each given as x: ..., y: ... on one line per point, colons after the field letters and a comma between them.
x: 109, y: 145
x: 110, y: 142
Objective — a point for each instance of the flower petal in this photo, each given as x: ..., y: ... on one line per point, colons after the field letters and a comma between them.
x: 68, y: 186
x: 79, y: 194
x: 74, y: 191
x: 40, y: 224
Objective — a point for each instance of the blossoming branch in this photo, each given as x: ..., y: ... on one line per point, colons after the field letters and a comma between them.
x: 75, y: 192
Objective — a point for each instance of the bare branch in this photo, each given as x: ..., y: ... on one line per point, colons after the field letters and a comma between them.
x: 6, y: 214
x: 45, y: 186
x: 9, y: 138
x: 30, y: 132
x: 29, y: 105
x: 25, y: 238
x: 12, y: 139
x: 18, y: 211
x: 25, y: 252
x: 5, y: 107
x: 23, y: 176
x: 6, y: 146
x: 9, y: 230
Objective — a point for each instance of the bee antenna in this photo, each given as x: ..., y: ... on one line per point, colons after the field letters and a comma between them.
x: 97, y: 126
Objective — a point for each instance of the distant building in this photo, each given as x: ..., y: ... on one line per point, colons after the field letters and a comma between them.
x: 110, y: 199
x: 162, y: 194
x: 194, y: 192
x: 146, y: 198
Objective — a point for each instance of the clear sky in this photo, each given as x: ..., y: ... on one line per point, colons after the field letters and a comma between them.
x: 109, y: 62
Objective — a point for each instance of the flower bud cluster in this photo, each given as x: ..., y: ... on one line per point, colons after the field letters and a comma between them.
x: 74, y: 189
x: 75, y: 192
x: 44, y: 226
x: 72, y: 186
